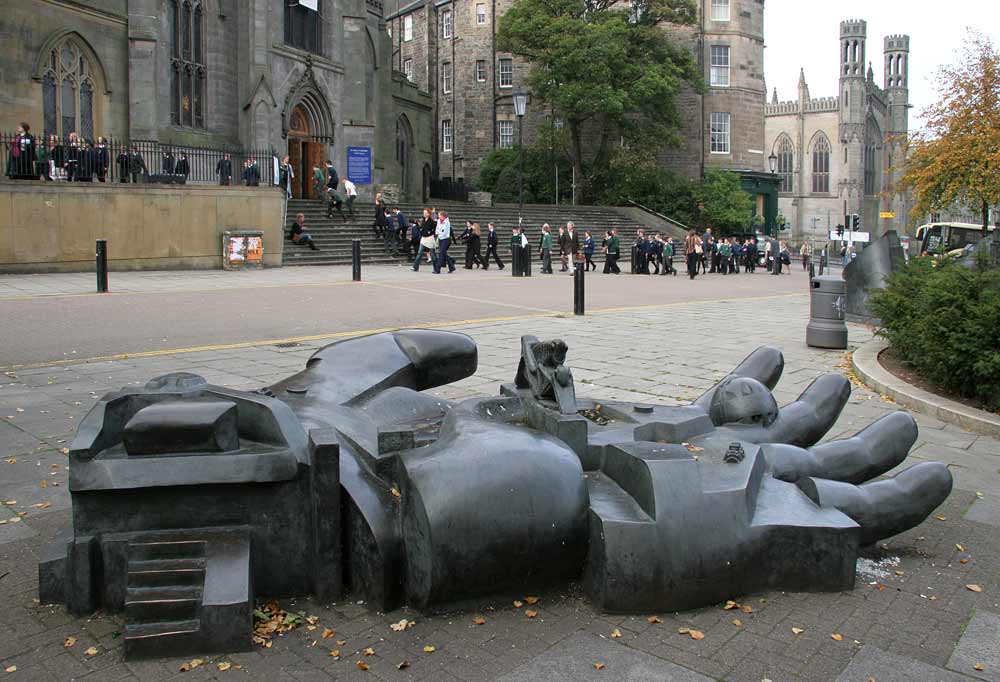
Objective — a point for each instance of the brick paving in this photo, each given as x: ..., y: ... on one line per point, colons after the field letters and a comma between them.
x: 910, y: 599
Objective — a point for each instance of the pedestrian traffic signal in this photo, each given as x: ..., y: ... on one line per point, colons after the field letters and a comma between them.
x: 855, y: 222
x: 840, y: 230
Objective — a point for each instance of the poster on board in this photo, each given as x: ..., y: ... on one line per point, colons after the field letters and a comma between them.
x: 359, y: 165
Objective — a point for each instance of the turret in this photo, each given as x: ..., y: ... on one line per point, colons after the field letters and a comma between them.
x: 853, y: 34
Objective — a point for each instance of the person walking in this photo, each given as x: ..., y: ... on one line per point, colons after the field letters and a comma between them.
x: 806, y: 252
x: 563, y: 244
x: 693, y: 251
x: 224, y: 170
x: 443, y: 234
x: 588, y: 251
x: 334, y: 202
x: 668, y: 257
x: 545, y: 247
x: 573, y: 242
x: 750, y: 255
x: 427, y: 240
x: 300, y: 235
x: 476, y: 242
x: 352, y: 193
x: 378, y: 226
x: 466, y: 238
x: 285, y: 176
x: 612, y: 252
x: 492, y: 242
x: 725, y: 251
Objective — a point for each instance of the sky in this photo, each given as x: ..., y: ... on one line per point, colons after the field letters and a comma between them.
x: 806, y: 34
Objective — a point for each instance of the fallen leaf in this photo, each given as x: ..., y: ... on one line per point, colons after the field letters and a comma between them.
x: 479, y: 620
x: 599, y: 666
x: 696, y: 634
x: 654, y: 619
x: 369, y: 652
x: 430, y: 649
x: 92, y: 651
x: 70, y: 641
x: 616, y: 634
x: 10, y: 669
x: 974, y: 588
x: 730, y: 605
x: 11, y: 460
x: 403, y: 665
x: 328, y: 633
x: 530, y: 613
x: 341, y: 642
x: 518, y: 603
x: 42, y: 505
x: 224, y: 666
x: 941, y: 518
x: 746, y: 608
x: 531, y: 600
x: 402, y: 625
x: 979, y: 666
x: 960, y: 548
x: 191, y: 665
x: 44, y: 483
x: 362, y: 665
x: 737, y: 622
x: 335, y: 653
x: 797, y: 631
x: 963, y: 561
x: 836, y: 637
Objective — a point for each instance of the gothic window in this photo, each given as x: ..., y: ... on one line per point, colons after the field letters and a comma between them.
x: 871, y: 170
x: 303, y: 24
x: 187, y: 63
x: 821, y: 166
x: 786, y: 162
x: 68, y: 87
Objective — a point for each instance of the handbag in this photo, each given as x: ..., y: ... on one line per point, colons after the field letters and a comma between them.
x: 698, y: 250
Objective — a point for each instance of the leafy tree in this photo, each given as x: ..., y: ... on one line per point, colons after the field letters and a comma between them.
x: 956, y: 158
x: 723, y: 202
x: 639, y: 176
x: 606, y: 71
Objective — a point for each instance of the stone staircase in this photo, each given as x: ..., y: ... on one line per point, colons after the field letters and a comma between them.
x: 187, y: 594
x: 333, y: 236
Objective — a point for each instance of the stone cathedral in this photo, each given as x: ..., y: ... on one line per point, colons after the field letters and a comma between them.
x: 842, y: 155
x: 307, y: 78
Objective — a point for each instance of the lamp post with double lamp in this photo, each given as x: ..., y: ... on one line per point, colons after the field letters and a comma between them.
x: 520, y: 104
x: 772, y: 162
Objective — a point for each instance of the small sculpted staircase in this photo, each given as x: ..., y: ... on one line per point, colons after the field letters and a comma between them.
x: 177, y: 589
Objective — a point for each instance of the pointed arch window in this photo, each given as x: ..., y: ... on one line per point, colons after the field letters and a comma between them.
x: 821, y: 166
x: 187, y: 63
x: 786, y: 162
x: 303, y: 24
x: 68, y: 87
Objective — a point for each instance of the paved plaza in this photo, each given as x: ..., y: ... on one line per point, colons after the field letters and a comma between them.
x: 910, y: 617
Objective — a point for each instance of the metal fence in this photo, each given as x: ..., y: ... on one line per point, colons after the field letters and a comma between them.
x: 446, y: 188
x: 114, y: 159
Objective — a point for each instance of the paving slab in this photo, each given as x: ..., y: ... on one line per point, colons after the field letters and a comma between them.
x: 979, y: 646
x: 577, y: 658
x: 986, y: 510
x: 872, y: 662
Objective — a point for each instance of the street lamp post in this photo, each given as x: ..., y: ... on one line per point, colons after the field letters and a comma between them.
x: 520, y: 104
x: 772, y: 162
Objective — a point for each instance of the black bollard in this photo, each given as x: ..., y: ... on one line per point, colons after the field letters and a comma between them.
x: 356, y: 260
x: 812, y: 271
x: 634, y: 266
x: 515, y: 261
x: 578, y: 275
x: 102, y: 266
x: 527, y: 261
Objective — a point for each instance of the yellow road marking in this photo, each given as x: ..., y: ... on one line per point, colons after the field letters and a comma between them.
x: 364, y: 332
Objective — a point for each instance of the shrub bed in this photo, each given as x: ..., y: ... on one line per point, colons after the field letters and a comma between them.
x: 944, y: 320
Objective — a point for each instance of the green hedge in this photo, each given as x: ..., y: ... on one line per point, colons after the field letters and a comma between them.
x: 944, y: 320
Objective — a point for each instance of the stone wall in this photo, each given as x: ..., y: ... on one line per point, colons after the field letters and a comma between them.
x: 49, y: 227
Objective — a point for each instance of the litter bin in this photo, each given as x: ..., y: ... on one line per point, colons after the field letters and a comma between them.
x: 826, y: 328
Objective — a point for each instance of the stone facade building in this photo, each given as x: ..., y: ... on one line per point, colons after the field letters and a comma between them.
x: 840, y: 155
x: 449, y: 48
x: 309, y: 78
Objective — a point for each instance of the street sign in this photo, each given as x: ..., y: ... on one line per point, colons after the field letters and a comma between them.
x: 887, y: 214
x: 359, y: 165
x: 849, y: 236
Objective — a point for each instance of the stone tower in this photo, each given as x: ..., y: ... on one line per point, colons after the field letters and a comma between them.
x: 897, y: 68
x: 853, y: 96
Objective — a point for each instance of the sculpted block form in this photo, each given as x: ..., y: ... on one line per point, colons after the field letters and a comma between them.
x: 190, y: 500
x: 869, y: 271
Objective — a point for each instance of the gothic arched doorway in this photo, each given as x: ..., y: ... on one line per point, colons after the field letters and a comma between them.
x: 305, y: 152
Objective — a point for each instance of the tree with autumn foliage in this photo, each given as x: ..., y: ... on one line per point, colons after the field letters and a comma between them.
x: 956, y: 157
x: 607, y: 69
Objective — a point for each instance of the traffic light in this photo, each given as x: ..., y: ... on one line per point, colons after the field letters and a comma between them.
x: 840, y: 230
x: 855, y: 222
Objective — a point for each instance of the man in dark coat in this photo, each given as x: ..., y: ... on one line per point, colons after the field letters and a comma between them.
x: 492, y: 241
x: 136, y: 165
x: 21, y: 155
x: 224, y: 169
x: 183, y: 167
x: 102, y: 160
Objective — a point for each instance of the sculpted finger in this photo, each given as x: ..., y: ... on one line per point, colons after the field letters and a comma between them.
x: 765, y: 365
x: 806, y: 420
x: 885, y: 508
